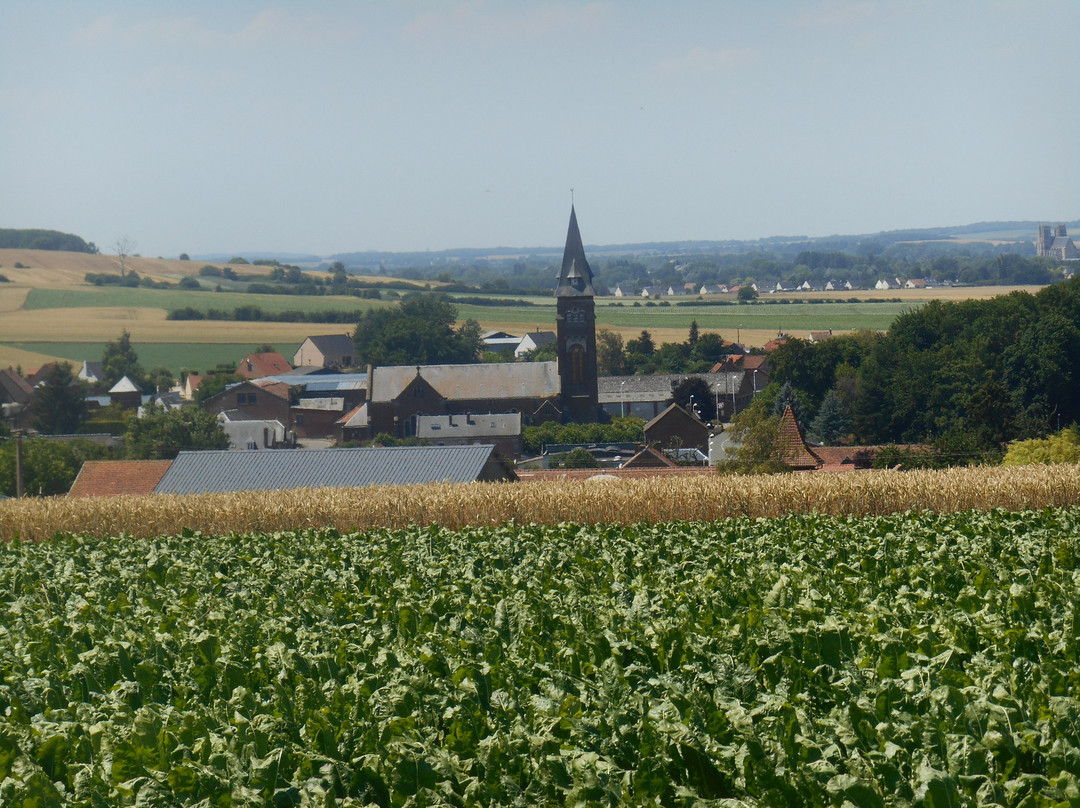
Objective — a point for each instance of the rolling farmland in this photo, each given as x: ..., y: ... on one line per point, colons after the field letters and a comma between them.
x: 49, y: 312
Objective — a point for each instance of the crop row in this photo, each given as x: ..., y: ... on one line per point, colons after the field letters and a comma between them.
x: 602, y: 499
x: 807, y: 660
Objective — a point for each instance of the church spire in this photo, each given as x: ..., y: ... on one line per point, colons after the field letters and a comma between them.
x: 575, y: 277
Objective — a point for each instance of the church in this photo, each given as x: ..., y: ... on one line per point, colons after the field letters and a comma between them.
x: 575, y: 329
x: 399, y: 398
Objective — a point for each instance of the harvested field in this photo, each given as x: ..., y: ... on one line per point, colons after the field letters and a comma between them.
x: 698, y: 497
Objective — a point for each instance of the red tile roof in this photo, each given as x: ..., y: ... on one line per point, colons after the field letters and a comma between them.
x: 110, y: 478
x: 257, y: 365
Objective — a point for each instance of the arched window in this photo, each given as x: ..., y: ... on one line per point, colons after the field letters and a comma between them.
x: 577, y: 364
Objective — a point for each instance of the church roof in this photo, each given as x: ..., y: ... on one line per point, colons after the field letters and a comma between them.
x: 575, y: 277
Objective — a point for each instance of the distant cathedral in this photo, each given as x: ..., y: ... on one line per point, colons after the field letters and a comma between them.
x: 576, y: 332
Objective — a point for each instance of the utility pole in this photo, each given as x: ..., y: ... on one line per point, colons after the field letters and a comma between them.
x: 18, y: 464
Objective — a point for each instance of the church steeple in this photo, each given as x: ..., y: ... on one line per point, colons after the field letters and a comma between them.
x: 575, y: 278
x: 576, y: 331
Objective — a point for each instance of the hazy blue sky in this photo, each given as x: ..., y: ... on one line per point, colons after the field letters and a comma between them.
x: 332, y: 126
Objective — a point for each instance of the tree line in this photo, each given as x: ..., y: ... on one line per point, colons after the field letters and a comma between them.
x: 967, y: 377
x: 31, y: 239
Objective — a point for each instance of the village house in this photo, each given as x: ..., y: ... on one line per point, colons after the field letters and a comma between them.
x: 258, y: 365
x: 326, y: 351
x: 676, y: 429
x: 532, y: 341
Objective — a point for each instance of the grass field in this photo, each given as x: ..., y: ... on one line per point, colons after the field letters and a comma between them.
x: 48, y: 312
x: 169, y: 299
x: 177, y: 356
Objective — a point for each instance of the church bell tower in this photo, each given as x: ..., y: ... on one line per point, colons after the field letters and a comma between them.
x: 576, y: 331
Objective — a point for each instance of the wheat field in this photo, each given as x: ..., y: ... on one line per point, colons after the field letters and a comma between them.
x: 592, y: 501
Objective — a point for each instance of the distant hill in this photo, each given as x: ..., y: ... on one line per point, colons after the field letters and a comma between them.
x: 1011, y: 236
x: 44, y: 240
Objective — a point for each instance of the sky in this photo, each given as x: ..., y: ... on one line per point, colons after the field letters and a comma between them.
x: 329, y: 126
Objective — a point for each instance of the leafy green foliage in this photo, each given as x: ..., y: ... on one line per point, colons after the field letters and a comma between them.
x: 620, y: 430
x: 420, y: 330
x: 1062, y: 447
x: 902, y: 660
x: 49, y: 466
x: 578, y: 459
x: 163, y: 434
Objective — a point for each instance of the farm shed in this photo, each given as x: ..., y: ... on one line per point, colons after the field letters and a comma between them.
x: 223, y: 471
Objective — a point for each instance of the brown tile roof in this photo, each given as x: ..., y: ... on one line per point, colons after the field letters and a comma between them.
x: 790, y: 444
x: 110, y: 478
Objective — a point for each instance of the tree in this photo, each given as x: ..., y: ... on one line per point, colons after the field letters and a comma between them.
x: 610, y: 356
x: 754, y: 433
x: 124, y: 246
x: 787, y: 396
x: 162, y: 435
x: 59, y: 403
x: 1062, y: 447
x: 185, y: 257
x: 579, y: 459
x: 160, y: 379
x: 746, y: 294
x: 643, y: 345
x: 832, y: 421
x: 49, y: 467
x: 692, y: 338
x: 693, y: 392
x: 119, y: 360
x: 214, y: 384
x: 418, y: 331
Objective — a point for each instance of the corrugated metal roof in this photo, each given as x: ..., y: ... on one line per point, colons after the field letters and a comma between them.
x: 279, y: 469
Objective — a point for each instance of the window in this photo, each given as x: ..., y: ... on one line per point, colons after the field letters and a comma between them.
x: 245, y: 398
x: 577, y: 364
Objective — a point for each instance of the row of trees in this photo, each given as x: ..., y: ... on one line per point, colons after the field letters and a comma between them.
x: 964, y: 377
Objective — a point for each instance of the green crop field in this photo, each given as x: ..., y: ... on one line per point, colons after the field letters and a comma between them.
x: 170, y: 299
x: 176, y: 356
x: 912, y: 659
